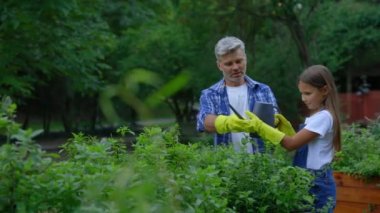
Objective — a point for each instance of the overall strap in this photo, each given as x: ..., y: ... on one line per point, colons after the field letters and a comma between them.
x: 300, y: 158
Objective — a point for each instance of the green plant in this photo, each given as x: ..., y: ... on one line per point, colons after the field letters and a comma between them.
x: 360, y: 154
x: 20, y: 158
x: 160, y: 175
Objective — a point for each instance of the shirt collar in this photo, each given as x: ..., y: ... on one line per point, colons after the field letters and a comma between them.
x: 250, y: 84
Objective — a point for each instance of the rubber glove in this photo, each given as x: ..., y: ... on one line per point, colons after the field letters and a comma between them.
x: 284, y: 125
x: 265, y: 131
x: 230, y: 123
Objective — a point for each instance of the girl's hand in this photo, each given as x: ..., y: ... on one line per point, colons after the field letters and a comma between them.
x: 284, y: 125
x: 265, y: 131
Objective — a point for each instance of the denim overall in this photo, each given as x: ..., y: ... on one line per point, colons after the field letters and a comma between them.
x: 324, y: 188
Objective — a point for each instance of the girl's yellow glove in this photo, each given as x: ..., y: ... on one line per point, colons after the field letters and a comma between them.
x: 284, y: 125
x: 265, y: 131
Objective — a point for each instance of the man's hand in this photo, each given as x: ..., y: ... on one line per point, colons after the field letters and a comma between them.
x: 284, y: 125
x: 230, y: 123
x: 265, y: 131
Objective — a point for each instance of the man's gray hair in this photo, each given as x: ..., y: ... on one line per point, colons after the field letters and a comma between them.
x: 228, y: 44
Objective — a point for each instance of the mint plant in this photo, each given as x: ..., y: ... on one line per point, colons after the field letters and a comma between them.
x: 19, y: 158
x: 360, y: 154
x: 161, y: 174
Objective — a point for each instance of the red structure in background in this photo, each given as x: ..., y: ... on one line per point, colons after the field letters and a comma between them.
x: 360, y: 108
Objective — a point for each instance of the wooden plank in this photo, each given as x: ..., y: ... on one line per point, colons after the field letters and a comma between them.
x: 351, y: 207
x: 342, y: 179
x: 358, y: 195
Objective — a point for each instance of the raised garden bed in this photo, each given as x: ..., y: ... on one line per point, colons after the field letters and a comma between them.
x: 357, y: 195
x: 357, y: 169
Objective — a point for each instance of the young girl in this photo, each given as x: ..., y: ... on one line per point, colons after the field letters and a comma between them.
x: 320, y: 137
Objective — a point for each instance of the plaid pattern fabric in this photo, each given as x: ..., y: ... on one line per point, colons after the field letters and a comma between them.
x: 214, y: 100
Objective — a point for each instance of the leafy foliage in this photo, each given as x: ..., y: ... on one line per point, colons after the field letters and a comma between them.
x: 360, y: 154
x: 348, y: 36
x: 77, y: 48
x: 19, y: 156
x: 41, y: 41
x: 161, y: 175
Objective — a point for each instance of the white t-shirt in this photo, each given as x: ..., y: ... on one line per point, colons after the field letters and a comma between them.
x: 238, y: 98
x: 321, y: 149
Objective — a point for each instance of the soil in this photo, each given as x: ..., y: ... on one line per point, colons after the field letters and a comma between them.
x: 51, y: 142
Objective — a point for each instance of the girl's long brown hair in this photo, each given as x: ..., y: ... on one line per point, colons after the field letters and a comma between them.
x: 319, y: 76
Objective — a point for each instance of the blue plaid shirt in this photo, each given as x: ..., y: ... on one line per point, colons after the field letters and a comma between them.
x: 214, y: 101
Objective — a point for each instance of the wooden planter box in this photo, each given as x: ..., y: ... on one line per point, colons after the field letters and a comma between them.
x: 356, y: 195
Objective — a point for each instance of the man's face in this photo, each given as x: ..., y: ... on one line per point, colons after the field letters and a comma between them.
x: 233, y: 66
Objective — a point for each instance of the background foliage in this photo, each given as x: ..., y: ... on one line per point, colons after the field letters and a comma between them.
x: 57, y: 57
x: 360, y: 152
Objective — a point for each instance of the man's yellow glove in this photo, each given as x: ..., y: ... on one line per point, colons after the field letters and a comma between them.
x: 230, y: 123
x: 284, y: 125
x: 265, y: 131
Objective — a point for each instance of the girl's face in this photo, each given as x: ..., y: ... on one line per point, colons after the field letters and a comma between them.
x: 313, y: 97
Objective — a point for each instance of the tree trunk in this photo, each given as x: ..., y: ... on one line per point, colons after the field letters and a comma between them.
x: 298, y: 36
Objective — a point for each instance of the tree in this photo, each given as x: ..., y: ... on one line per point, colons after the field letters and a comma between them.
x: 50, y: 40
x: 168, y: 48
x: 347, y: 36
